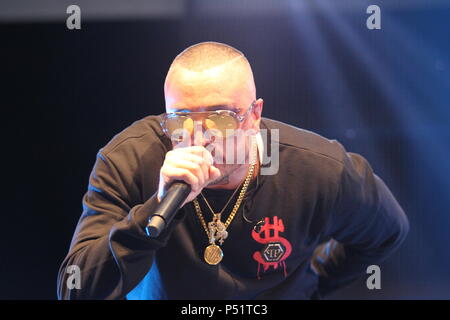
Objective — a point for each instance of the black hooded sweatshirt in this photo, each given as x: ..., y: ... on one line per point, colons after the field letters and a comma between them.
x: 312, y: 227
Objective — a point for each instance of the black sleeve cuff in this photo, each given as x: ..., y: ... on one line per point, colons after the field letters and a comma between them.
x: 141, y: 214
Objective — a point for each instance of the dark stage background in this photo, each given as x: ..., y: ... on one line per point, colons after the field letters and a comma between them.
x: 382, y: 93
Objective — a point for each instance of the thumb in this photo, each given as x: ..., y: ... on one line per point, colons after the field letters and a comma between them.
x: 214, y: 173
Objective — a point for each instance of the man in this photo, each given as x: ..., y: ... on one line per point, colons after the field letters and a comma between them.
x: 299, y: 233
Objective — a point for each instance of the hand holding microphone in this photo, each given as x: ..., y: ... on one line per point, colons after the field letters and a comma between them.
x: 185, y: 172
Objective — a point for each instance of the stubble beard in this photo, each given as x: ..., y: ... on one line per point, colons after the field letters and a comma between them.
x: 229, y: 169
x: 225, y: 179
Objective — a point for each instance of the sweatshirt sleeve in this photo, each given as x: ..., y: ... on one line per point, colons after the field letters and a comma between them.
x: 367, y: 225
x: 110, y: 246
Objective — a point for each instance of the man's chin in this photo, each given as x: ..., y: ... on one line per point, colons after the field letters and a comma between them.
x: 225, y: 171
x: 219, y: 182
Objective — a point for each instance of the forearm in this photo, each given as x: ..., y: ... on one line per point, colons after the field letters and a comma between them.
x: 340, y: 262
x: 113, y: 264
x: 100, y: 276
x: 342, y: 265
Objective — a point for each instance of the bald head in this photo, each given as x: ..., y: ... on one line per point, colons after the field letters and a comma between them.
x: 207, y: 55
x: 208, y: 74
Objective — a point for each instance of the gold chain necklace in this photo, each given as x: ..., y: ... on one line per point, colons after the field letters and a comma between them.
x: 216, y: 229
x: 226, y: 205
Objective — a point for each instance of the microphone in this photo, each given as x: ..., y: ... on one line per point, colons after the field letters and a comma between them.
x: 176, y: 194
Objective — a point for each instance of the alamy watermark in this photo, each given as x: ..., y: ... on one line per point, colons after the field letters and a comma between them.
x: 74, y: 279
x: 373, y: 22
x: 73, y: 22
x: 229, y: 151
x: 374, y: 280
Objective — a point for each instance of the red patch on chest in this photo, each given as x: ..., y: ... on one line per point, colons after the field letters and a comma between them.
x: 276, y: 248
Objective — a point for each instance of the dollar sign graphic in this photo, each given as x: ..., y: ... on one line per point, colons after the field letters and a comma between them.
x: 276, y: 249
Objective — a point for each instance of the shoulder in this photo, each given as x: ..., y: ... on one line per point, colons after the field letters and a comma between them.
x: 304, y: 141
x: 132, y: 158
x: 142, y: 134
x: 319, y: 160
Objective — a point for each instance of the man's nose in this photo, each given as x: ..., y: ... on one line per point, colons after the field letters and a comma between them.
x: 199, y: 135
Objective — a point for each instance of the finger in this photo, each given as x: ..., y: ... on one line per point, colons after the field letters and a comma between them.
x: 204, y: 167
x: 188, y: 156
x: 214, y: 173
x: 202, y: 152
x: 196, y: 154
x: 195, y: 168
x: 185, y: 175
x: 193, y: 158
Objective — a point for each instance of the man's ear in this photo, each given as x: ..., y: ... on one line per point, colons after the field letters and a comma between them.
x: 257, y: 112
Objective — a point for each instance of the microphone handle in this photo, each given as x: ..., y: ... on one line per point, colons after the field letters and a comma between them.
x: 176, y: 194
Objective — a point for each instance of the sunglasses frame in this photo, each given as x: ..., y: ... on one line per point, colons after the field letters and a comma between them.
x: 236, y: 116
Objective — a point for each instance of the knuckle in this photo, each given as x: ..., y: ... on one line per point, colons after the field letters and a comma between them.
x: 197, y: 168
x: 169, y: 154
x: 196, y: 159
x: 199, y: 149
x: 164, y: 171
x: 186, y: 175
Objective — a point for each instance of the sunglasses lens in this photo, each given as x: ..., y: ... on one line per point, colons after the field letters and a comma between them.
x: 225, y: 124
x: 222, y: 125
x: 176, y: 126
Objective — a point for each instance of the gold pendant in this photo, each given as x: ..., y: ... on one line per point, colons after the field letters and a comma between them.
x: 213, y: 254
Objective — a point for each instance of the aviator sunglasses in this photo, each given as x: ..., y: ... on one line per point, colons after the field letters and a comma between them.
x: 221, y: 122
